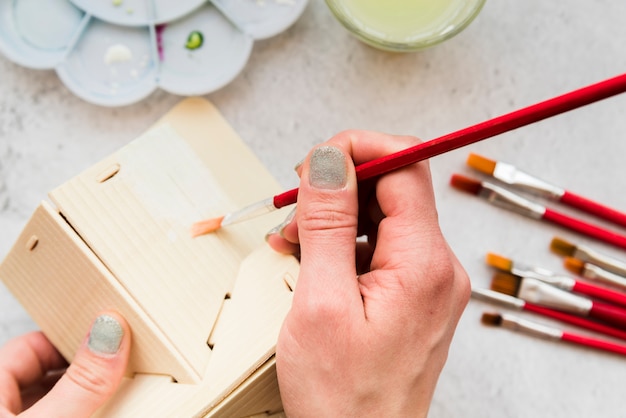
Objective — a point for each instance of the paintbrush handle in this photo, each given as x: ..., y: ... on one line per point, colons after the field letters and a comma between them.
x: 286, y: 198
x: 508, y: 122
x: 594, y: 208
x: 608, y: 313
x: 593, y: 231
x: 598, y: 292
x: 593, y: 342
x: 578, y: 321
x: 493, y: 127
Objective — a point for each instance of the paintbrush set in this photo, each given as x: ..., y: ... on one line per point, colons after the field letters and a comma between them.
x: 507, y: 199
x: 597, y: 307
x: 523, y: 181
x: 588, y: 256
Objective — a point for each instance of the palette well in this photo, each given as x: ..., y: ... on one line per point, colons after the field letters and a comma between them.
x: 117, y: 52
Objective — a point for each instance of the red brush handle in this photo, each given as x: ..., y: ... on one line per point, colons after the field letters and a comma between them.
x: 593, y: 231
x: 508, y: 122
x: 594, y: 208
x: 285, y: 199
x: 610, y: 314
x: 594, y: 342
x: 598, y: 292
x: 575, y: 320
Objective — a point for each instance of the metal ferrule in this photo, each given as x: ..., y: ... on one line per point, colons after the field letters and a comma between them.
x: 497, y: 298
x: 613, y: 265
x: 256, y: 209
x: 499, y: 196
x: 510, y: 174
x: 545, y: 275
x: 593, y: 272
x: 529, y: 327
x: 541, y: 293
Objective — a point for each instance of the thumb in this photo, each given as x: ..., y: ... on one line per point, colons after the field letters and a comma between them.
x: 327, y: 221
x: 94, y: 374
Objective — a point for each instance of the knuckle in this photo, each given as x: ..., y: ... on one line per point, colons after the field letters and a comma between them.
x: 93, y: 379
x: 326, y: 312
x: 449, y: 279
x: 322, y: 216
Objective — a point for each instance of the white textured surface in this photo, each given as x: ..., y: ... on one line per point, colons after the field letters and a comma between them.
x: 301, y: 87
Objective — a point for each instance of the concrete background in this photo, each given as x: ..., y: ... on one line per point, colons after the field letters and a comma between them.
x: 314, y: 80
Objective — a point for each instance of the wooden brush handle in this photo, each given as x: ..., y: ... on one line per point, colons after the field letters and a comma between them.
x: 609, y: 313
x: 594, y: 208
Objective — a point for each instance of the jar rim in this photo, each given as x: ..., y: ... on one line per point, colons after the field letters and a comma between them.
x: 460, y: 22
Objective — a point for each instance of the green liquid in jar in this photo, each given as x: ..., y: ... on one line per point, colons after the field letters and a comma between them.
x: 414, y: 23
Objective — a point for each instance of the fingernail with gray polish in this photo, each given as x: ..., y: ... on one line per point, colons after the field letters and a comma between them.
x: 106, y: 335
x: 328, y: 168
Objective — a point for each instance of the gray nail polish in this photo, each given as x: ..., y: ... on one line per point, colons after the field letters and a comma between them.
x: 328, y: 168
x: 106, y: 335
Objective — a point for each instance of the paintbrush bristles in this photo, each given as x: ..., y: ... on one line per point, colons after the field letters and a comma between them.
x: 206, y: 227
x: 493, y: 319
x: 499, y: 262
x: 562, y: 247
x: 506, y: 283
x: 481, y: 163
x: 466, y: 184
x: 574, y: 265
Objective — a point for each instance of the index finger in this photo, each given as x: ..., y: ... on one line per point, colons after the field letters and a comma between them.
x: 24, y: 361
x: 407, y: 191
x: 410, y: 229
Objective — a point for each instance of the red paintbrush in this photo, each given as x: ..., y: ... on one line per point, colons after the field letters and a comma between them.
x: 519, y: 324
x: 516, y: 303
x: 559, y: 280
x: 588, y: 255
x: 509, y: 200
x: 513, y: 176
x: 425, y: 150
x: 543, y: 294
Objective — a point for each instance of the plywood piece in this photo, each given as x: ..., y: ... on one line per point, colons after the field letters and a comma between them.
x: 258, y: 396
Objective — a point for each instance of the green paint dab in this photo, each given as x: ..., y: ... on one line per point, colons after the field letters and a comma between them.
x: 194, y: 40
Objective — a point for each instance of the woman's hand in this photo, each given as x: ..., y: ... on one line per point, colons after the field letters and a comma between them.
x: 35, y: 380
x: 371, y: 322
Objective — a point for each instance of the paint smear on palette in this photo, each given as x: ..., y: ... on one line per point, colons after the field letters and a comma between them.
x: 117, y: 53
x: 159, y: 39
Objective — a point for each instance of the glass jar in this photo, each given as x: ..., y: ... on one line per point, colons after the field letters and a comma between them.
x: 405, y: 25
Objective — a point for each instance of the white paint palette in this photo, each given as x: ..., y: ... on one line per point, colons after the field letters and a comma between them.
x: 117, y: 52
